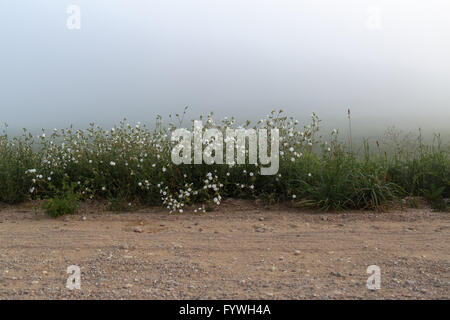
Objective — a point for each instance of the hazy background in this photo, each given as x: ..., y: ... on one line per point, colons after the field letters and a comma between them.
x: 136, y: 59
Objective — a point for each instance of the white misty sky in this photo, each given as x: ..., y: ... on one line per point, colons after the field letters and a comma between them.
x: 136, y: 59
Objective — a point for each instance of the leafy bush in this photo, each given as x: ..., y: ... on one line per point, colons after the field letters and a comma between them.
x: 434, y: 196
x: 64, y: 202
x: 16, y: 156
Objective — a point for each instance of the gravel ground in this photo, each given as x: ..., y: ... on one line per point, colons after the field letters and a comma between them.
x: 240, y: 251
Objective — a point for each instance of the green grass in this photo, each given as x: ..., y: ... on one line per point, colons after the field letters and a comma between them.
x: 65, y: 201
x: 131, y: 164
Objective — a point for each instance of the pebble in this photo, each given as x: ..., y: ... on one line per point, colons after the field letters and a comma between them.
x: 138, y: 230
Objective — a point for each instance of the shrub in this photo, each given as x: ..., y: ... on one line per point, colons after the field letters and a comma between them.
x: 64, y: 202
x: 435, y: 198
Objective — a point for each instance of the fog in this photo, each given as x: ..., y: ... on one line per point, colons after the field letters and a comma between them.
x: 388, y: 61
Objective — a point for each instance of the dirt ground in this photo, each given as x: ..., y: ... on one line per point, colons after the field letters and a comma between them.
x: 240, y: 251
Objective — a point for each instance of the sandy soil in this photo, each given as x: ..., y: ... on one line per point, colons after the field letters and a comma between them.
x: 241, y: 251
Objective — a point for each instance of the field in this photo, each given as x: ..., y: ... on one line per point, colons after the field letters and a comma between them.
x: 242, y: 251
x: 130, y: 165
x: 139, y: 226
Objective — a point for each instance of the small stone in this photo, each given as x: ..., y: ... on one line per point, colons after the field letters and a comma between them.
x: 261, y: 219
x: 138, y: 230
x: 409, y: 282
x: 84, y: 218
x: 296, y: 252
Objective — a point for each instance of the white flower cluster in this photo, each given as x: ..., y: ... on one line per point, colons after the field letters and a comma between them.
x: 102, y: 162
x: 176, y: 201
